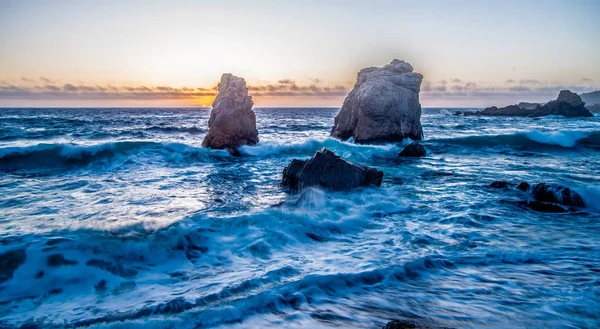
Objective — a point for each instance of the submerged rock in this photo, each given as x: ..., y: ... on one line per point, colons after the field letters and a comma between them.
x: 232, y: 122
x: 546, y: 197
x: 413, y: 150
x: 404, y: 324
x: 383, y: 106
x: 328, y: 170
x: 568, y: 104
x: 56, y: 260
x: 10, y: 262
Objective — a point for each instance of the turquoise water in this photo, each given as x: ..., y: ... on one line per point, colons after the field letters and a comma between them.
x: 120, y: 219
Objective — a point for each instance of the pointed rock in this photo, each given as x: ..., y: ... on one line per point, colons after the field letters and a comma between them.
x: 232, y: 122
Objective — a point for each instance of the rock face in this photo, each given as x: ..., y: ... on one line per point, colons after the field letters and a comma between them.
x: 10, y: 262
x: 593, y: 108
x: 383, y: 106
x: 568, y: 104
x: 413, y: 150
x: 232, y: 122
x: 546, y: 197
x: 328, y: 170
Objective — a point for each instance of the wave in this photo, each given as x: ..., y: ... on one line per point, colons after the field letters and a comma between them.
x: 530, y: 140
x: 60, y: 155
x: 174, y: 130
x: 274, y: 148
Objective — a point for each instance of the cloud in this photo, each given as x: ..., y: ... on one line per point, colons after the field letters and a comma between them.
x: 48, y: 91
x: 530, y: 82
x: 587, y: 80
x: 26, y: 79
x: 286, y: 82
x: 46, y: 80
x: 510, y: 81
x: 455, y: 80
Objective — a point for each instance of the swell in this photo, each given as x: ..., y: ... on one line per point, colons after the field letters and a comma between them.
x: 530, y: 140
x: 65, y: 155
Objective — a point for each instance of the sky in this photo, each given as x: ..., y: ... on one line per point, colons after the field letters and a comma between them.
x: 472, y: 53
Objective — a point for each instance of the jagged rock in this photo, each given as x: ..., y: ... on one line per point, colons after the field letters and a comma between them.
x: 568, y: 104
x: 383, y: 106
x: 10, y: 262
x: 328, y: 170
x: 556, y: 194
x: 528, y: 106
x: 413, y: 150
x: 543, y: 206
x: 232, y: 122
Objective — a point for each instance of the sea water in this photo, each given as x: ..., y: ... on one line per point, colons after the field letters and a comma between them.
x: 119, y: 218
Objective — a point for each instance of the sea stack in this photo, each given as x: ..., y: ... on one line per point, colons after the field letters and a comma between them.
x: 232, y: 122
x: 383, y: 106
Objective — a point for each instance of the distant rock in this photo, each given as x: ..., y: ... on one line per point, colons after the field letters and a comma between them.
x: 413, y: 150
x: 591, y: 98
x: 383, y: 106
x: 232, y: 122
x: 501, y: 184
x: 10, y: 261
x: 528, y: 106
x: 593, y: 108
x: 568, y: 104
x: 328, y: 170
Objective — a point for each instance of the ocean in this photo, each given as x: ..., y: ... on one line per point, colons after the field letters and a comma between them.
x: 118, y: 218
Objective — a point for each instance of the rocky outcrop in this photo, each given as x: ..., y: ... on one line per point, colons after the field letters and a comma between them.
x: 413, y: 150
x: 232, y: 122
x: 383, y: 106
x: 405, y: 324
x: 328, y: 170
x: 568, y: 104
x: 546, y: 197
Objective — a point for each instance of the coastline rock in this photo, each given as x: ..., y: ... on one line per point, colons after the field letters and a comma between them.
x: 413, y: 150
x: 232, y: 122
x: 595, y: 108
x: 383, y: 106
x: 568, y: 104
x: 528, y: 106
x: 328, y: 170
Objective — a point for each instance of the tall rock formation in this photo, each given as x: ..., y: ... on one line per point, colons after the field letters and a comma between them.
x: 383, y: 106
x: 232, y: 122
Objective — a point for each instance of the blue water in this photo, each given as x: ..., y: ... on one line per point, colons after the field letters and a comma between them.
x: 157, y: 232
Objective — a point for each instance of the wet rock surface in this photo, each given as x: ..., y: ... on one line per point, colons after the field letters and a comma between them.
x: 328, y: 170
x: 413, y: 150
x: 232, y: 122
x: 383, y: 106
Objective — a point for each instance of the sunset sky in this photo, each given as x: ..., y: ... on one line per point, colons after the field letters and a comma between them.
x: 292, y: 53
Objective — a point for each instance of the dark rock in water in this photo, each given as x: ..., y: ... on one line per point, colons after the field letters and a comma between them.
x: 232, y: 122
x: 116, y: 269
x: 523, y: 186
x: 404, y: 324
x: 56, y: 260
x: 383, y: 106
x: 413, y: 150
x: 328, y: 170
x: 10, y: 262
x: 557, y: 194
x: 500, y: 184
x: 568, y: 104
x: 543, y: 206
x: 101, y: 286
x: 547, y: 197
